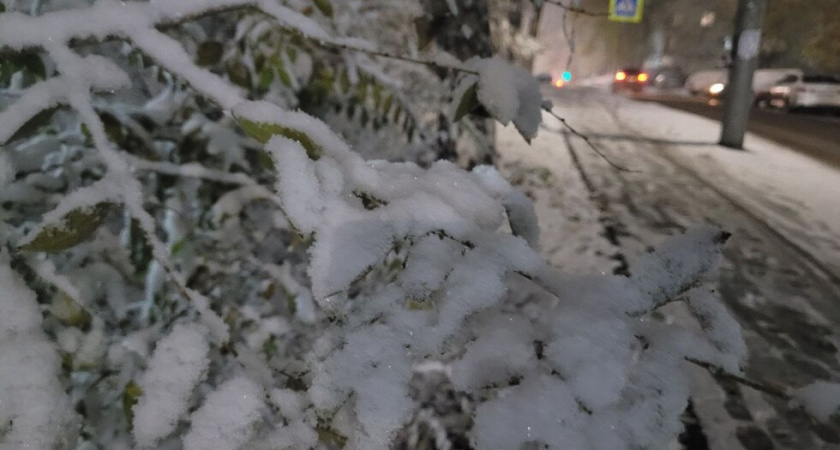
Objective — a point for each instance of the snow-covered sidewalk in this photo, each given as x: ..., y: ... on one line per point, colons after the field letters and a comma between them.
x: 781, y: 269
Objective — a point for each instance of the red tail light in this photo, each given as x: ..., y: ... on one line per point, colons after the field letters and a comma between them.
x: 620, y: 76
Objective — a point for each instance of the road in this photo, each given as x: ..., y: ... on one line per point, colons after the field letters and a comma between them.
x: 814, y: 135
x: 784, y: 298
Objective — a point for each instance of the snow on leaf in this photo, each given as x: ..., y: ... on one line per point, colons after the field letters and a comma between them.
x: 226, y: 419
x: 178, y: 364
x: 262, y: 132
x: 510, y: 94
x: 821, y: 399
x: 74, y: 228
x: 36, y: 413
x: 675, y: 265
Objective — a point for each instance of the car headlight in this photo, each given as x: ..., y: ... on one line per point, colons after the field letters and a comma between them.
x: 716, y: 88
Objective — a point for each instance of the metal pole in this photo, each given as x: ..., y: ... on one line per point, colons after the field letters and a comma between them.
x: 739, y: 95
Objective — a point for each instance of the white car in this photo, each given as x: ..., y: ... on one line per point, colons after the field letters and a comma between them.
x: 806, y: 91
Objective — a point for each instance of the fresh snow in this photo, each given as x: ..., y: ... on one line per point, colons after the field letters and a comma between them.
x: 566, y: 361
x: 227, y: 418
x: 178, y: 363
x: 35, y: 412
x: 821, y: 399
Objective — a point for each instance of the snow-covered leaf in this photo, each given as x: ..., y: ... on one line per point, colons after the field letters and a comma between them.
x: 821, y: 399
x: 179, y: 362
x: 74, y: 228
x: 263, y: 131
x: 34, y: 124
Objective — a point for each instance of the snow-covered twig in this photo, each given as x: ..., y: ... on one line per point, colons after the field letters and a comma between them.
x: 78, y: 96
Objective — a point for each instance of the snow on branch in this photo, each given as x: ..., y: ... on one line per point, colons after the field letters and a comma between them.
x: 565, y: 370
x: 36, y: 413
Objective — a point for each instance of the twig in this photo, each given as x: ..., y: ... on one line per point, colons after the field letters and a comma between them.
x: 245, y: 6
x: 719, y: 372
x: 577, y: 10
x: 409, y: 59
x: 589, y: 142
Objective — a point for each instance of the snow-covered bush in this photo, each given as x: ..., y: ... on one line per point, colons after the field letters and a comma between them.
x: 219, y: 272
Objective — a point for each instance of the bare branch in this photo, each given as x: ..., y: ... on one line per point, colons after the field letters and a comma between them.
x: 576, y: 10
x: 589, y: 142
x: 762, y: 387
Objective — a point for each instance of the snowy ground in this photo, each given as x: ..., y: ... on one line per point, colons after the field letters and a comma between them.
x: 781, y: 275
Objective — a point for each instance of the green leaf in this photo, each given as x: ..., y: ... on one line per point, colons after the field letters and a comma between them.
x: 468, y: 102
x: 33, y: 125
x: 239, y: 74
x: 113, y: 128
x: 2, y: 8
x: 209, y: 53
x: 282, y: 73
x: 386, y: 106
x: 68, y: 311
x: 177, y: 247
x: 131, y: 395
x: 330, y: 436
x: 73, y: 229
x: 285, y: 78
x: 265, y: 161
x: 30, y: 62
x: 344, y: 81
x: 325, y: 7
x: 262, y: 132
x: 266, y: 77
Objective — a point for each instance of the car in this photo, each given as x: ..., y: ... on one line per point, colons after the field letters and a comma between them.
x: 806, y: 91
x: 699, y: 83
x: 713, y: 84
x: 764, y: 79
x: 630, y: 79
x: 544, y: 78
x: 667, y: 77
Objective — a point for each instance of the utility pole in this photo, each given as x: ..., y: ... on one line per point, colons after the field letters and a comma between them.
x: 746, y: 41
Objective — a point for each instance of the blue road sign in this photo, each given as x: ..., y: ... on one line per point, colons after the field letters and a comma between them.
x: 626, y: 10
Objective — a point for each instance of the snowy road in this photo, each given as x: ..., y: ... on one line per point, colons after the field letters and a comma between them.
x: 780, y: 274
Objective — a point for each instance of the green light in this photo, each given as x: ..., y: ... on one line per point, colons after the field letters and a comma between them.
x: 567, y: 76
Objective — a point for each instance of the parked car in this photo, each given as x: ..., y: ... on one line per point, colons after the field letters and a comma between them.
x: 543, y: 78
x: 764, y: 79
x: 630, y: 79
x: 668, y: 77
x: 699, y: 83
x: 806, y: 91
x: 712, y: 83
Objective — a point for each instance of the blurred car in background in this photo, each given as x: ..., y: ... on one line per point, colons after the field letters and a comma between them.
x: 667, y: 77
x: 630, y: 79
x: 543, y: 77
x: 700, y: 82
x: 713, y: 83
x: 805, y: 91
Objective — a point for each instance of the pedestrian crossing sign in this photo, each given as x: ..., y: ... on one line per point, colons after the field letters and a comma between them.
x: 626, y: 10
